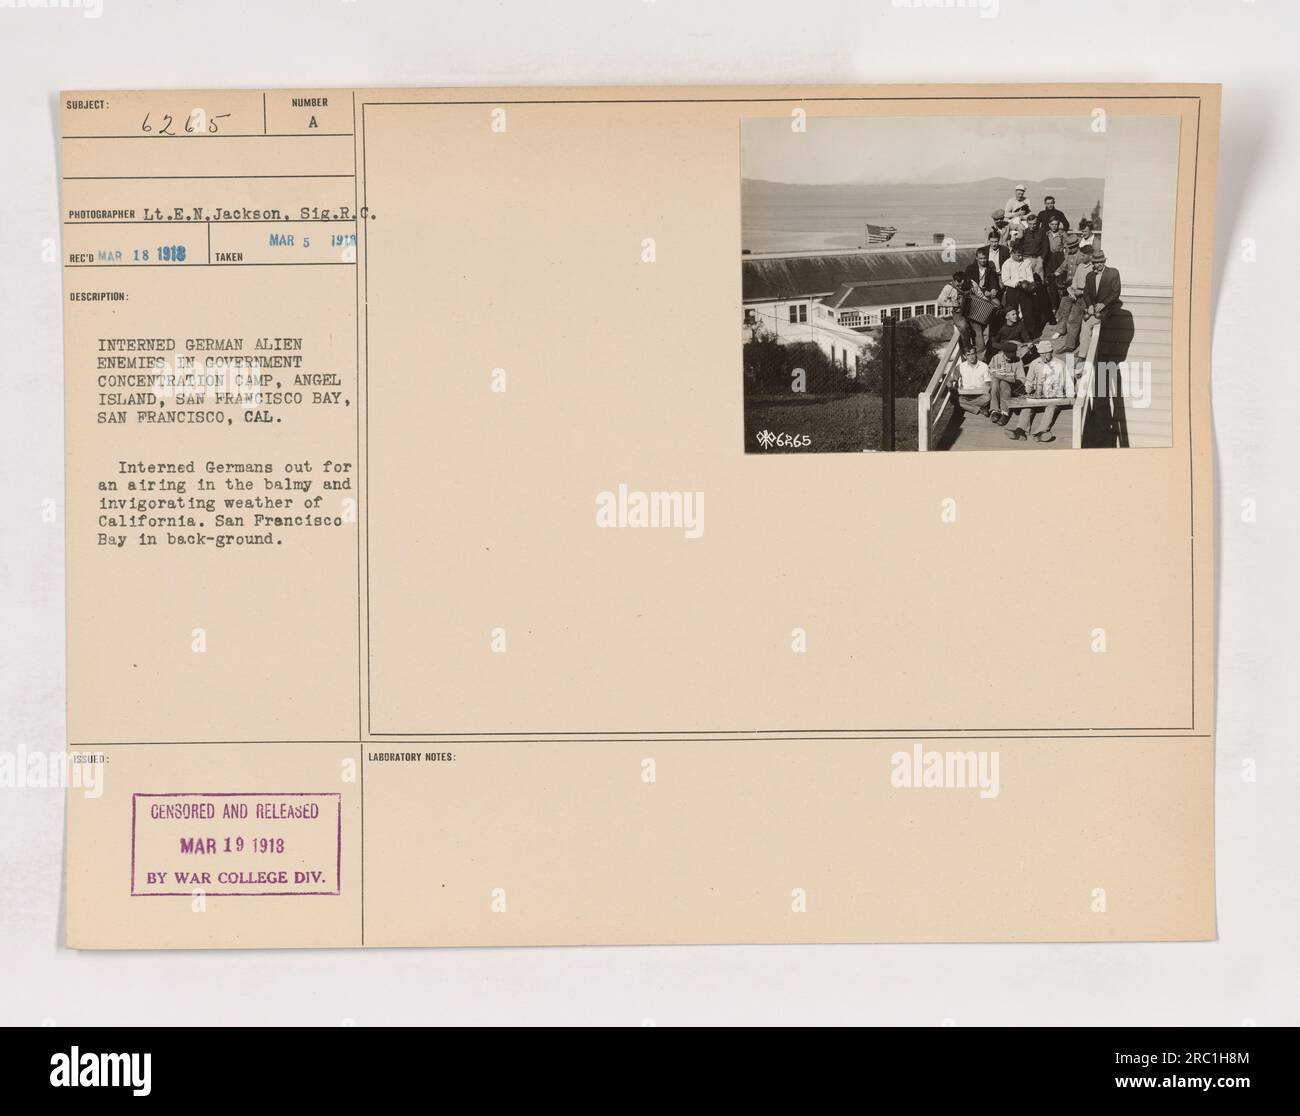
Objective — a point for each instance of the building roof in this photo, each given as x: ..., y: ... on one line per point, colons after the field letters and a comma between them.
x: 886, y: 292
x: 805, y: 275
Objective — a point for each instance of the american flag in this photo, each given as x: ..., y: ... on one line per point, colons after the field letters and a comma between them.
x: 880, y: 234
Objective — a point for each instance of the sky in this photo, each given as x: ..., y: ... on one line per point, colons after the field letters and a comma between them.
x: 934, y: 149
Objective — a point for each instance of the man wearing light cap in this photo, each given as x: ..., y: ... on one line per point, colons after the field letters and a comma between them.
x: 1082, y: 266
x: 1016, y: 213
x: 1017, y: 207
x: 1045, y: 378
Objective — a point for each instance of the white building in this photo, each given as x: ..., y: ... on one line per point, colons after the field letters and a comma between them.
x: 833, y: 298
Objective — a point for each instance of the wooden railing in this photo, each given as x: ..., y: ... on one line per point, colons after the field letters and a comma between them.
x: 1085, y: 389
x: 932, y: 404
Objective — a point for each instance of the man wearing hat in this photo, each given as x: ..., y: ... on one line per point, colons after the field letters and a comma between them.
x: 1045, y: 378
x: 1004, y: 373
x: 1012, y: 329
x: 1101, y: 291
x: 1017, y: 207
x: 1080, y: 269
x: 1068, y: 264
x: 1063, y: 329
x: 1064, y: 332
x: 1000, y: 228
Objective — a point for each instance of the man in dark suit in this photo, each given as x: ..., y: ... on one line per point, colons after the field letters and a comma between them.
x: 984, y: 272
x: 998, y: 252
x: 1101, y: 291
x: 985, y: 277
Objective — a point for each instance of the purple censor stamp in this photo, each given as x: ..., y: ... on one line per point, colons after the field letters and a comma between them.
x: 248, y: 843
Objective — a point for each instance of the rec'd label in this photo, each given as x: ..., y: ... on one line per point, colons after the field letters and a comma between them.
x: 248, y: 843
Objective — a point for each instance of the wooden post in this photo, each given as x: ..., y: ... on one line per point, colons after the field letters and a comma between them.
x: 887, y: 389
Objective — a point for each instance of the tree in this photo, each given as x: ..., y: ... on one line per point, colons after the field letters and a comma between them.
x: 916, y: 360
x: 770, y: 366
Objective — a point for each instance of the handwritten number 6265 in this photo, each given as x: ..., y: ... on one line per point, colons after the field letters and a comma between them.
x: 193, y: 123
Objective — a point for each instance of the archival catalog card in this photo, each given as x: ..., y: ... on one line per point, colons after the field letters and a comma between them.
x: 541, y: 516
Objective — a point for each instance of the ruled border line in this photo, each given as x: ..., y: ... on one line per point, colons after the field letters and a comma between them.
x: 795, y: 733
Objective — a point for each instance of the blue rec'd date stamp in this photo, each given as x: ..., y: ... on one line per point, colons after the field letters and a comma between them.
x: 227, y: 843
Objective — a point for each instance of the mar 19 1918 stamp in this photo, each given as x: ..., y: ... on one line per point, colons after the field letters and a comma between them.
x: 236, y: 844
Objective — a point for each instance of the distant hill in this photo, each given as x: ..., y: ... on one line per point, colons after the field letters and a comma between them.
x: 782, y: 216
x: 995, y: 184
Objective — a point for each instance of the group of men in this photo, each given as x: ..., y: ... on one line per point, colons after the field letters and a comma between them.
x: 1040, y: 287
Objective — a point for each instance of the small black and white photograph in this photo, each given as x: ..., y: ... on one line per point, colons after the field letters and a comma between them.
x: 1006, y: 282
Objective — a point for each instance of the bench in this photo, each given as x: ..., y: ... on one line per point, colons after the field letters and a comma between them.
x: 936, y: 402
x: 1019, y: 401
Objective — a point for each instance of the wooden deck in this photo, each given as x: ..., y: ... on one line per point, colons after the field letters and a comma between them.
x: 1126, y: 383
x: 975, y: 432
